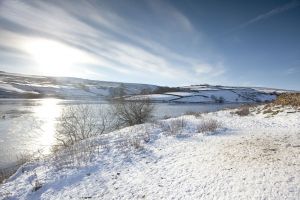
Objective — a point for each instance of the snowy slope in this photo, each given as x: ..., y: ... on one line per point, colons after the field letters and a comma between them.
x: 18, y: 85
x: 251, y: 157
x: 220, y: 94
x: 216, y: 95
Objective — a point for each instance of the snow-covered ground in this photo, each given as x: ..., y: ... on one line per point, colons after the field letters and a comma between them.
x: 250, y: 157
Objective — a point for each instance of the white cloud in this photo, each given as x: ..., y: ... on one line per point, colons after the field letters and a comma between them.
x: 213, y: 70
x: 106, y: 39
x: 171, y: 15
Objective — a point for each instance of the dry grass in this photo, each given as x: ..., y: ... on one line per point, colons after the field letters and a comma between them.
x: 174, y: 126
x: 88, y: 150
x: 243, y: 111
x: 76, y: 155
x: 268, y: 111
x: 288, y: 99
x: 5, y: 173
x: 196, y: 114
x: 136, y: 143
x: 209, y: 125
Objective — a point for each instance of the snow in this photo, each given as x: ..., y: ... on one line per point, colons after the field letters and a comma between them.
x: 241, y: 95
x: 154, y: 97
x: 195, y: 99
x: 251, y: 157
x: 181, y: 93
x: 8, y: 87
x: 71, y: 88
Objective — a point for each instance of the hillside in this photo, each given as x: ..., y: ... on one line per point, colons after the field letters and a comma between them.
x: 215, y: 94
x: 28, y: 86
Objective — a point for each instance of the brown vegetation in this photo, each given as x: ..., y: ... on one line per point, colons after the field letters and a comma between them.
x: 288, y: 99
x: 209, y: 125
x: 243, y: 111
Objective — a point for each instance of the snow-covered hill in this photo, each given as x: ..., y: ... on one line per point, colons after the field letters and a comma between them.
x: 28, y: 86
x: 215, y: 94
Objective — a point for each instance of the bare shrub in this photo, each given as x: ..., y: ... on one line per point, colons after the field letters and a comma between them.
x: 136, y: 143
x: 6, y: 173
x: 74, y: 128
x: 196, y: 114
x: 129, y: 113
x: 209, y: 125
x: 36, y: 184
x: 167, y: 117
x: 80, y: 122
x: 123, y: 146
x: 243, y: 111
x: 173, y: 126
x: 144, y: 133
x: 146, y: 137
x: 217, y: 99
x: 76, y: 155
x: 22, y: 158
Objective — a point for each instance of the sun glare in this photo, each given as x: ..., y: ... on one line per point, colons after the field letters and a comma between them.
x: 53, y: 58
x: 47, y: 112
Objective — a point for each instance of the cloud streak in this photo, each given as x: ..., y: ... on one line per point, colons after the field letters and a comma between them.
x: 267, y: 15
x: 117, y: 47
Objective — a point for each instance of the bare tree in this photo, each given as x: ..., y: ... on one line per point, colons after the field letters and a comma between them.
x: 129, y: 113
x: 79, y: 122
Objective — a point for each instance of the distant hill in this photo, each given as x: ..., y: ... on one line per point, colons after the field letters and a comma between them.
x: 30, y: 86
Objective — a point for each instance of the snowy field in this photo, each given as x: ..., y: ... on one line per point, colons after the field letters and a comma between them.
x: 249, y: 157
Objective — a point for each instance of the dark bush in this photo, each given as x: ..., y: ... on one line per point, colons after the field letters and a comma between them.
x: 129, y: 113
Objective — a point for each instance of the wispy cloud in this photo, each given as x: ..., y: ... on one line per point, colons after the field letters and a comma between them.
x: 267, y: 15
x: 212, y: 70
x: 117, y: 47
x: 292, y: 70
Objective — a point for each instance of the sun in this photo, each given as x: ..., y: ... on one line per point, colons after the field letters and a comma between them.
x: 52, y: 57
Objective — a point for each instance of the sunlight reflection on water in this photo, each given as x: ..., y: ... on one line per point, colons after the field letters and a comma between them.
x: 47, y: 113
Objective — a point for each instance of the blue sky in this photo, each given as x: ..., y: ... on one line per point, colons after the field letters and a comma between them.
x: 241, y: 43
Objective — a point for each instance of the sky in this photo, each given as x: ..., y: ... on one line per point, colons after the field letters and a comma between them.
x: 174, y: 43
